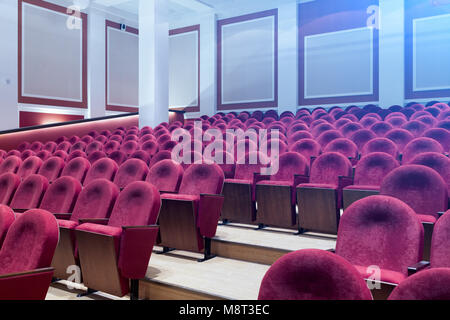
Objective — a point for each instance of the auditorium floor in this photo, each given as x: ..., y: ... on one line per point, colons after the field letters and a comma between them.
x: 231, y: 275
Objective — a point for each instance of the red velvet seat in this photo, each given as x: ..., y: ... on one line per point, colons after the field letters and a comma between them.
x: 327, y: 137
x: 43, y: 155
x: 188, y: 220
x: 28, y: 167
x: 52, y: 168
x: 61, y: 195
x: 437, y: 162
x: 36, y: 146
x: 119, y: 157
x: 129, y: 240
x: 64, y: 146
x: 23, y: 146
x: 95, y: 201
x: 416, y: 128
x: 418, y: 146
x: 111, y: 146
x: 166, y: 175
x: 380, y: 231
x: 313, y: 275
x: 361, y: 137
x: 276, y: 197
x: 102, y: 139
x: 73, y: 139
x: 239, y: 193
x: 61, y: 154
x: 130, y: 171
x: 7, y: 217
x: 307, y: 148
x: 102, y: 169
x: 26, y: 154
x: 320, y: 200
x: 93, y: 147
x: 87, y: 139
x: 344, y: 146
x: 440, y: 135
x: 350, y: 128
x: 433, y: 284
x: 161, y: 155
x: 76, y: 154
x: 369, y: 174
x: 400, y: 137
x: 150, y: 146
x: 14, y: 153
x: 9, y: 182
x: 381, y: 128
x: 29, y: 193
x: 77, y: 168
x: 141, y: 155
x: 129, y: 147
x: 95, y: 156
x: 381, y: 145
x: 26, y: 255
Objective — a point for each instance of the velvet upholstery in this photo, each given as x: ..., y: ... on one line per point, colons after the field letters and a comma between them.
x: 433, y: 284
x: 350, y: 128
x: 77, y: 168
x: 420, y: 187
x: 161, y: 155
x: 111, y: 146
x: 61, y: 154
x: 76, y: 154
x: 397, y: 122
x: 381, y: 231
x: 95, y: 156
x: 9, y: 182
x: 372, y: 169
x: 344, y: 146
x: 93, y: 147
x: 26, y: 154
x: 43, y: 155
x: 325, y: 138
x: 420, y: 145
x: 30, y: 192
x: 361, y: 137
x: 166, y: 175
x: 202, y: 179
x: 381, y: 128
x: 381, y: 145
x: 440, y: 135
x: 80, y: 145
x: 29, y: 166
x: 7, y: 218
x: 50, y: 146
x: 10, y: 164
x: 307, y: 148
x: 61, y: 195
x: 327, y: 168
x: 400, y: 137
x: 36, y: 146
x: 52, y: 168
x: 130, y: 171
x: 436, y: 161
x: 129, y: 147
x: 440, y: 249
x: 313, y: 275
x: 30, y: 243
x: 416, y: 128
x: 119, y: 157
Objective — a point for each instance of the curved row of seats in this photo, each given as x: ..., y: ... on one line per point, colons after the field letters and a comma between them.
x: 380, y: 240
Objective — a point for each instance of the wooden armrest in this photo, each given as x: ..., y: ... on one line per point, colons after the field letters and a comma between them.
x: 25, y: 273
x: 103, y: 221
x: 169, y: 192
x: 418, y: 267
x: 62, y: 216
x: 205, y: 195
x: 140, y: 227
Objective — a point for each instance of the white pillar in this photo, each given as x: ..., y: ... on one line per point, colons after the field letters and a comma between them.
x: 392, y: 70
x: 153, y: 62
x: 287, y: 58
x: 96, y: 61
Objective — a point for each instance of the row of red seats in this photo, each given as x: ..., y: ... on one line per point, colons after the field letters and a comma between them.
x: 380, y: 240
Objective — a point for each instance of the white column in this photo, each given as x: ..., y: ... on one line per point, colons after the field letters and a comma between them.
x: 392, y: 70
x: 96, y: 62
x: 153, y: 62
x: 287, y: 58
x: 8, y: 66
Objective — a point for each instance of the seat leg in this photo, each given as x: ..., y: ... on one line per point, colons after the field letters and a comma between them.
x: 134, y: 289
x: 225, y: 222
x: 300, y: 232
x: 87, y: 293
x: 55, y: 280
x: 261, y: 226
x: 207, y: 254
x: 166, y: 250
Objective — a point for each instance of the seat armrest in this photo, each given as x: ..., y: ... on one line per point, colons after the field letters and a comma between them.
x: 209, y: 210
x: 63, y: 216
x: 169, y: 192
x: 344, y: 182
x: 257, y: 177
x: 20, y: 210
x: 300, y: 179
x: 103, y: 221
x: 139, y: 227
x: 418, y: 267
x: 27, y: 285
x: 26, y: 273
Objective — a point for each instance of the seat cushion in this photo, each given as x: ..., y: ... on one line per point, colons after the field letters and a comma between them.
x: 385, y: 276
x: 317, y: 185
x: 363, y: 187
x: 68, y: 224
x: 185, y: 197
x: 101, y: 229
x: 239, y: 181
x: 426, y: 218
x: 275, y: 183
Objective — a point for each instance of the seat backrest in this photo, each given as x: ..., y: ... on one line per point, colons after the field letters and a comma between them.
x: 161, y: 155
x: 381, y: 231
x: 248, y: 165
x: 9, y: 182
x: 350, y: 128
x: 290, y: 164
x: 307, y: 148
x: 64, y: 146
x: 372, y: 168
x: 10, y: 164
x: 142, y: 155
x: 381, y: 128
x: 420, y: 187
x: 119, y: 157
x: 30, y: 192
x: 7, y: 217
x: 415, y: 127
x: 36, y: 146
x: 29, y: 166
x: 43, y: 155
x: 361, y: 137
x: 30, y: 242
x: 202, y: 179
x: 440, y: 135
x: 432, y: 284
x: 93, y: 147
x: 142, y: 200
x: 129, y: 147
x: 440, y: 243
x: 111, y: 146
x: 61, y: 195
x: 344, y: 146
x: 328, y: 136
x: 130, y: 171
x: 400, y: 137
x: 313, y: 274
x: 95, y: 156
x: 328, y: 167
x: 100, y: 194
x: 51, y: 168
x: 381, y: 145
x: 104, y: 168
x: 437, y: 162
x: 76, y: 168
x: 420, y: 145
x: 166, y: 175
x: 50, y: 146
